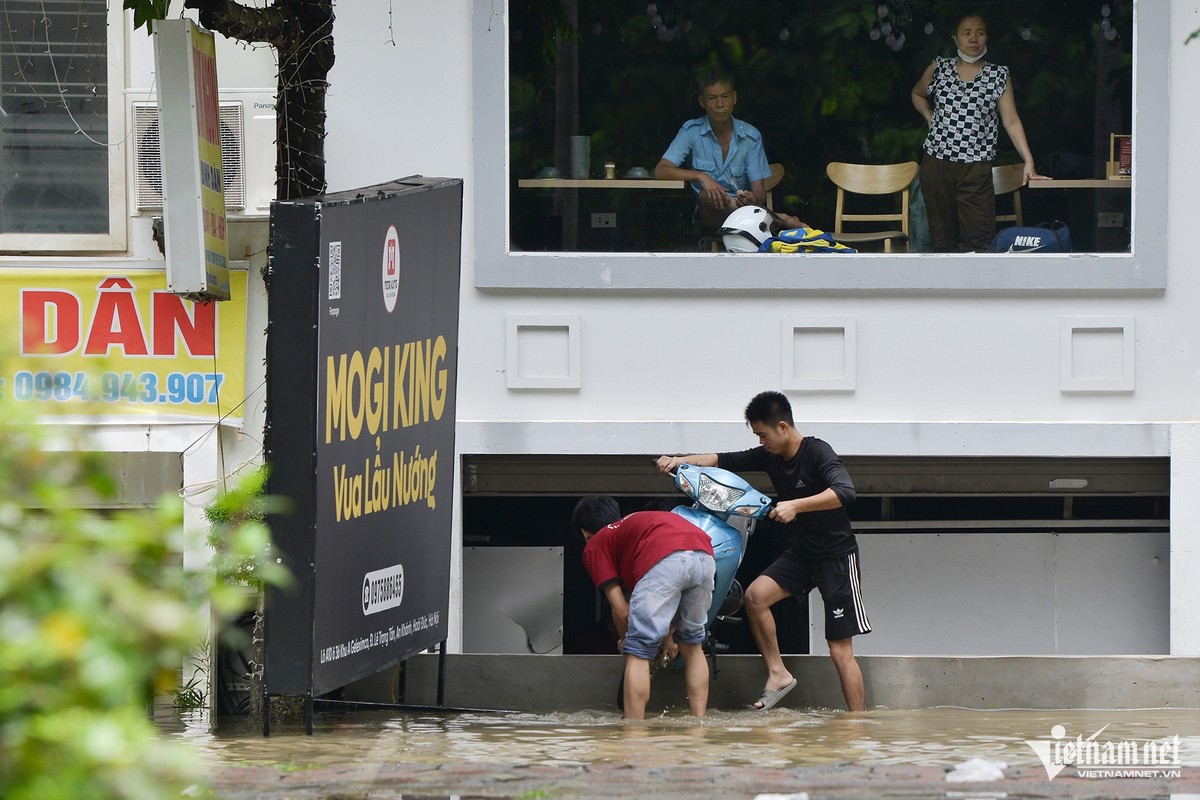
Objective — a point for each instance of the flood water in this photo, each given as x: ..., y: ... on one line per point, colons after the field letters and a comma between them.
x: 944, y: 737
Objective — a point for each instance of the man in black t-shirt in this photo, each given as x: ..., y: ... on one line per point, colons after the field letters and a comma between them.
x: 813, y: 491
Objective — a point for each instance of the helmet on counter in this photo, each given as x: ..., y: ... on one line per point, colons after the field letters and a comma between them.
x: 745, y: 229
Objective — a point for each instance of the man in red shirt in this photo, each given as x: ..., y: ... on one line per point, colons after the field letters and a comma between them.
x: 666, y: 564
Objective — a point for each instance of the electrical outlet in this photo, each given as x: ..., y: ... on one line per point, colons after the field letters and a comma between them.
x: 1110, y: 219
x: 604, y: 220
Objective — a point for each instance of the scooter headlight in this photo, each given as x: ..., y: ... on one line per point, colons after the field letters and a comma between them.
x: 717, y: 496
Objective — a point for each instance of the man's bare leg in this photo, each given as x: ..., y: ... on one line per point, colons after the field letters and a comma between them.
x: 763, y: 593
x: 695, y: 678
x: 637, y: 686
x: 713, y: 215
x: 842, y: 653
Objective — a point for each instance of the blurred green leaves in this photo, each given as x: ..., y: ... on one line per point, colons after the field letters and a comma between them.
x: 97, y: 616
x: 241, y: 542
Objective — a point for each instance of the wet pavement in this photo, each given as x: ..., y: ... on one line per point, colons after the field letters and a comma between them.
x: 928, y: 753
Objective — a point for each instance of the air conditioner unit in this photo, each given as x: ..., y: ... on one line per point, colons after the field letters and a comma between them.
x: 148, y: 164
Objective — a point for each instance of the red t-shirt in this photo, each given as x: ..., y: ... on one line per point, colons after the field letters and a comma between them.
x: 626, y: 550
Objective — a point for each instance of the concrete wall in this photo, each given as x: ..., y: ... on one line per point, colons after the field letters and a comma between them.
x: 556, y: 683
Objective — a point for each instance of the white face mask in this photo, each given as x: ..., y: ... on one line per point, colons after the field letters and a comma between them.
x: 972, y: 59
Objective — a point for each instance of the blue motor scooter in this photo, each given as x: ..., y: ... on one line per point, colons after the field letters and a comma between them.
x: 726, y: 507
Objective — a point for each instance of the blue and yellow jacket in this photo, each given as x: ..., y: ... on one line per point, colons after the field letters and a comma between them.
x: 803, y: 240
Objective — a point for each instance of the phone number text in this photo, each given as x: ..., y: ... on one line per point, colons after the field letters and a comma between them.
x: 175, y: 388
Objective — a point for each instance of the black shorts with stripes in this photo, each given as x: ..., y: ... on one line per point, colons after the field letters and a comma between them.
x: 837, y: 579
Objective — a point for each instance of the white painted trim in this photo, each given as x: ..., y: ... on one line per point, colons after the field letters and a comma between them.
x: 987, y: 439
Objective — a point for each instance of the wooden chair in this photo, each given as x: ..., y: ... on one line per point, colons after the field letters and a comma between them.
x: 773, y: 181
x: 871, y: 179
x: 1008, y: 180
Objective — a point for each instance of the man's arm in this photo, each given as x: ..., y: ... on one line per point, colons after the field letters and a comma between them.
x: 668, y: 464
x: 620, y: 609
x: 787, y: 510
x: 758, y: 170
x: 756, y: 195
x: 711, y: 192
x: 839, y: 491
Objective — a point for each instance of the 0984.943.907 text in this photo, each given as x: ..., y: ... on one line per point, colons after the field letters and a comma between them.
x: 173, y: 388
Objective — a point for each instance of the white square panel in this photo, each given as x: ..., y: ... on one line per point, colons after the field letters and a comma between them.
x: 542, y: 352
x: 1096, y: 354
x: 819, y: 354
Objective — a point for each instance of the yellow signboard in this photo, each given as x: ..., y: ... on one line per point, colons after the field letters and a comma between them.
x: 103, y: 344
x: 212, y: 191
x: 189, y: 117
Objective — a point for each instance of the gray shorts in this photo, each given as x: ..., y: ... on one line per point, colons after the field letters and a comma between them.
x: 676, y: 590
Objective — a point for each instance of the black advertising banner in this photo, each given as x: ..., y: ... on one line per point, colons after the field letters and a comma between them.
x: 362, y: 358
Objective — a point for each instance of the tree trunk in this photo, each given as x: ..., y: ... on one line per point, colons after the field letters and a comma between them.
x: 301, y: 31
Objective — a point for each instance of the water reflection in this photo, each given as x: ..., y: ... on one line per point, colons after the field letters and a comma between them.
x: 942, y: 737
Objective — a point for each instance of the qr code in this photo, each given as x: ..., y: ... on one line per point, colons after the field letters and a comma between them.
x: 335, y: 270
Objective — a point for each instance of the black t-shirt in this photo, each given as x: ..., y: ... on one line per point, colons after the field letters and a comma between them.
x: 814, y: 468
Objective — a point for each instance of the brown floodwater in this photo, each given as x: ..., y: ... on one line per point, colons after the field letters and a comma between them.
x: 944, y: 737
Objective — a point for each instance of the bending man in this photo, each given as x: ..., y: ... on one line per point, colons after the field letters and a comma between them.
x: 667, y: 564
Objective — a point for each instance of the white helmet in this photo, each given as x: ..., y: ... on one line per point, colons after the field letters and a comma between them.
x: 745, y: 229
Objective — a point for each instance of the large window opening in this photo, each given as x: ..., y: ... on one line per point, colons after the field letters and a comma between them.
x: 546, y: 71
x: 822, y: 81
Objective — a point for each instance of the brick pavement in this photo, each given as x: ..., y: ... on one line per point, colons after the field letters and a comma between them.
x: 382, y: 780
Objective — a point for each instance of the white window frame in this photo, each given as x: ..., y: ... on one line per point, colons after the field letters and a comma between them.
x: 498, y: 266
x: 116, y: 239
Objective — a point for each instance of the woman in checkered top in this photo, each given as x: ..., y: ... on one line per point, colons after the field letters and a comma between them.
x: 965, y: 99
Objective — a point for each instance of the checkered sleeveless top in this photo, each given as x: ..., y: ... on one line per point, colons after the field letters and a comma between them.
x: 965, y: 122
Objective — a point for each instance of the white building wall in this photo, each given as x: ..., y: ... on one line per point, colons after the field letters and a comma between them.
x: 956, y: 373
x: 935, y: 374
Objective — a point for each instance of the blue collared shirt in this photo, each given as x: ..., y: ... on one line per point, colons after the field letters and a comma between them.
x: 746, y: 162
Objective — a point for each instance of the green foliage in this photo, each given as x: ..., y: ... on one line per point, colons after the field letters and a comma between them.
x: 146, y: 11
x: 94, y: 619
x: 97, y: 617
x: 191, y: 693
x: 240, y: 540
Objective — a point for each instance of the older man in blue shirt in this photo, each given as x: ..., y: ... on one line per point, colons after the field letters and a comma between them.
x: 728, y: 165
